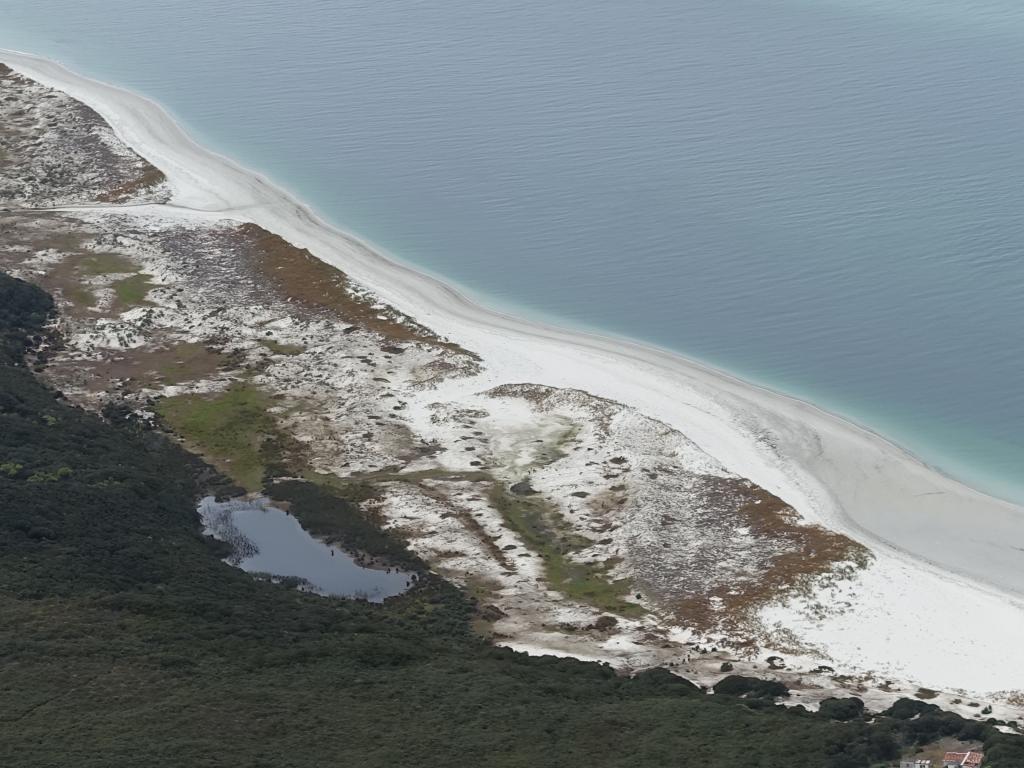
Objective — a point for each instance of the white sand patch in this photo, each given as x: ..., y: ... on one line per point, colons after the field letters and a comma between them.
x: 869, y: 624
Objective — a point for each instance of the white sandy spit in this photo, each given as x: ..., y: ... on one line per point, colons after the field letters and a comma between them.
x: 943, y: 602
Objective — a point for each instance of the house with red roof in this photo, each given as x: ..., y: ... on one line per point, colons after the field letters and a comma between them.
x: 968, y: 759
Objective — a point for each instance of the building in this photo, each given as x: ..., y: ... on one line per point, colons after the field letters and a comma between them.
x: 966, y: 759
x: 916, y: 764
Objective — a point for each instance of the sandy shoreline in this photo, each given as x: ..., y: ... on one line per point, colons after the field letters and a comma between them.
x: 951, y: 546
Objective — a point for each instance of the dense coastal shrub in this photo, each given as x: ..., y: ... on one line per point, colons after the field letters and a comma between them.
x: 842, y: 709
x: 663, y: 681
x: 24, y: 311
x: 1004, y: 752
x: 738, y: 685
x: 905, y: 709
x: 126, y: 641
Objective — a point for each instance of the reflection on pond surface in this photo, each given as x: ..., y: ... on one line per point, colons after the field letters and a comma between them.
x: 267, y: 539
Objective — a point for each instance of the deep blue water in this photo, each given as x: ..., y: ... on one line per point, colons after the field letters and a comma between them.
x: 823, y: 196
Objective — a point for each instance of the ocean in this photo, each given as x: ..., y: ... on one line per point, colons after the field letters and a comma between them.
x: 821, y: 197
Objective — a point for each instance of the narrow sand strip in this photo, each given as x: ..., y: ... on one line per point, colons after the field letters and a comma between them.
x: 934, y: 534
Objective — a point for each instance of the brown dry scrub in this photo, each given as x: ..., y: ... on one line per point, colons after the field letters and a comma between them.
x: 801, y: 554
x: 298, y: 275
x: 140, y: 368
x: 52, y: 146
x: 79, y: 272
x: 6, y: 78
x: 148, y: 179
x: 24, y: 232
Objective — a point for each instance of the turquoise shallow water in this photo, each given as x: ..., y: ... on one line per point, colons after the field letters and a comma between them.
x: 824, y: 197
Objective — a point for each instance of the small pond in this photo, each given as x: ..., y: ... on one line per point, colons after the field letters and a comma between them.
x: 268, y: 540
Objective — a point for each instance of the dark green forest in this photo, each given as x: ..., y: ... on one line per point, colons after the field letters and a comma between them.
x: 125, y: 641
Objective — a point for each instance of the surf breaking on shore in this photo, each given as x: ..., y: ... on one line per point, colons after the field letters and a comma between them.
x: 941, y: 553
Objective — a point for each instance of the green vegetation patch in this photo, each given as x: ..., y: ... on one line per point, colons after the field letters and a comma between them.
x: 555, y: 451
x: 544, y: 531
x: 105, y: 264
x: 352, y: 489
x: 68, y: 276
x: 132, y: 291
x: 187, y: 361
x: 229, y: 428
x: 80, y: 296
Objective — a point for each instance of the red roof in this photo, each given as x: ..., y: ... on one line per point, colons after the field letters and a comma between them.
x: 969, y: 759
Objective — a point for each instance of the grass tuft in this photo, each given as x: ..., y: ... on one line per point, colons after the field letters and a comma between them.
x: 132, y: 291
x: 228, y: 428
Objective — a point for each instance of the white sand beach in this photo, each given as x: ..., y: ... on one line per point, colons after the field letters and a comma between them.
x: 941, y: 605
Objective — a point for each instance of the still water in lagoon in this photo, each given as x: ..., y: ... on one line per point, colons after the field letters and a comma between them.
x: 267, y: 539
